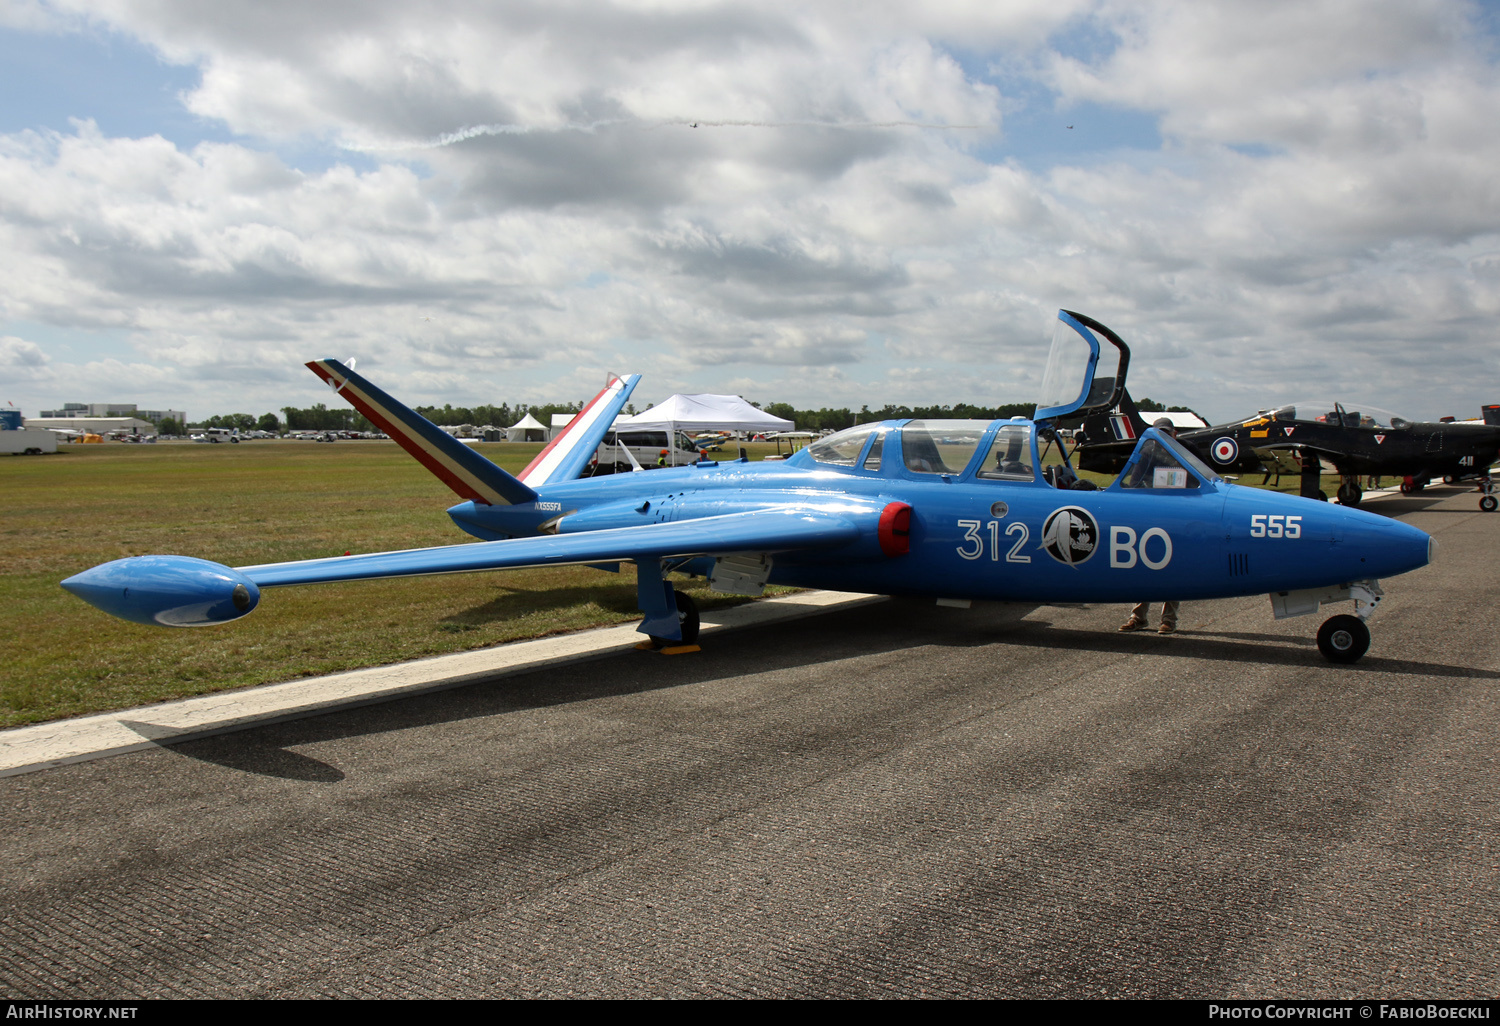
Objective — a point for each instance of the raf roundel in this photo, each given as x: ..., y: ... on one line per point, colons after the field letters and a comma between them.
x: 1225, y: 450
x: 1070, y: 535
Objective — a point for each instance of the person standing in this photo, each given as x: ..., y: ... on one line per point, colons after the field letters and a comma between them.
x: 1140, y: 615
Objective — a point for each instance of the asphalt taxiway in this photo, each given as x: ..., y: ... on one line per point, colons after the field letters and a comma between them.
x: 889, y: 800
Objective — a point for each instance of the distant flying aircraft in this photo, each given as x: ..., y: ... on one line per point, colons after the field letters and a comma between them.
x: 1367, y: 442
x: 954, y: 510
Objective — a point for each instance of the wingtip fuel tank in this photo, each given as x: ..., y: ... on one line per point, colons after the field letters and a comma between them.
x: 169, y: 591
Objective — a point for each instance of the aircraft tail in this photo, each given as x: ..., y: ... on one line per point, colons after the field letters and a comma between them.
x: 566, y: 455
x: 459, y: 467
x: 1122, y: 424
x: 1491, y: 414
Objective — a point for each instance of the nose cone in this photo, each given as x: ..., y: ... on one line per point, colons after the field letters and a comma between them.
x: 168, y: 591
x: 1385, y: 547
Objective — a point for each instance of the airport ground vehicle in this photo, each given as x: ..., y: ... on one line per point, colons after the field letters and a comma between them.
x: 18, y: 439
x: 624, y: 450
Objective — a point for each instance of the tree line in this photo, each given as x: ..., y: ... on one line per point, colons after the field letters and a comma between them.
x: 321, y: 418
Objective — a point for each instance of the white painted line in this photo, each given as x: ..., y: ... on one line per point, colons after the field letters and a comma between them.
x: 43, y: 745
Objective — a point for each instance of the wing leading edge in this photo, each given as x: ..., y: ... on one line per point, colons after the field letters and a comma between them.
x: 180, y: 591
x: 757, y: 531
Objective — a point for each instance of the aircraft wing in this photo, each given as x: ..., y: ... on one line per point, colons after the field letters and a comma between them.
x: 1321, y: 451
x: 755, y: 531
x: 181, y: 591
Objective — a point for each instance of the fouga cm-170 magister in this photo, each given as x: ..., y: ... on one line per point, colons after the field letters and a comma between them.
x: 954, y: 510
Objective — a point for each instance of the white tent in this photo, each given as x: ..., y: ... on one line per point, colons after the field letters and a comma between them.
x: 517, y: 431
x: 1180, y: 420
x: 701, y: 412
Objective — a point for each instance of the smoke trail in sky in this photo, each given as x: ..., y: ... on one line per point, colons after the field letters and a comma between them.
x: 475, y: 131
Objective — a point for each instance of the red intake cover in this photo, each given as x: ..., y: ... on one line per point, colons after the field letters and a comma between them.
x: 895, y: 529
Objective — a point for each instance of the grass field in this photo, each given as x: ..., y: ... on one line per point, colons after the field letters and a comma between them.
x: 256, y: 502
x: 259, y: 502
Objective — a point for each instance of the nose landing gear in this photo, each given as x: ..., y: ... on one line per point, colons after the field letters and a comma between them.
x: 1343, y: 638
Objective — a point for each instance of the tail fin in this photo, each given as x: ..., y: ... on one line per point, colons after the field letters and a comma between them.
x: 566, y: 455
x: 1124, y: 423
x: 469, y: 474
x: 1491, y: 414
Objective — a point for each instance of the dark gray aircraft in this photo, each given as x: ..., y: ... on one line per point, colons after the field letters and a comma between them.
x: 1359, y: 443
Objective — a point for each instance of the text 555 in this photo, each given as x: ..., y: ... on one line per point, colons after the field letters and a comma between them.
x: 1275, y: 525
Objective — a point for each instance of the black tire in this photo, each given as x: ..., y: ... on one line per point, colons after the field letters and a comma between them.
x: 687, y: 618
x: 1350, y: 494
x: 1488, y: 503
x: 1343, y: 638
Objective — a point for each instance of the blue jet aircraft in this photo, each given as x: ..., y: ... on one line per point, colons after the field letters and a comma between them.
x: 953, y: 510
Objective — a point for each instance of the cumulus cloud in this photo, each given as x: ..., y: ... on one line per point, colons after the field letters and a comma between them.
x: 22, y: 360
x: 512, y: 198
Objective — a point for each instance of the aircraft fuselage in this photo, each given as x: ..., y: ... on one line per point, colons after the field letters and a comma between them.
x: 998, y: 539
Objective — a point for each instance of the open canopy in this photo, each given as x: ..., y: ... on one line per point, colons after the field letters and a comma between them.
x: 700, y: 412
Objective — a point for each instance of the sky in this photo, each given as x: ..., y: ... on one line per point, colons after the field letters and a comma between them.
x: 835, y: 204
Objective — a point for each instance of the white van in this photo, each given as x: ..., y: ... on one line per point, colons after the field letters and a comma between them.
x: 646, y: 446
x: 216, y: 435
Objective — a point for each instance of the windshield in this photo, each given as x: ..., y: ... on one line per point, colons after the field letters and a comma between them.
x: 941, y: 446
x: 1165, y: 464
x: 1155, y: 466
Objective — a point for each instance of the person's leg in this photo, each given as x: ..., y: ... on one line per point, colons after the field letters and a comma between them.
x: 1169, y: 617
x: 1138, y: 617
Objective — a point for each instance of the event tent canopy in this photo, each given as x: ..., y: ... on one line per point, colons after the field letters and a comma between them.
x: 701, y: 412
x: 517, y: 431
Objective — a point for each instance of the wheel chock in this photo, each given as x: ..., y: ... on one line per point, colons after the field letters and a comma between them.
x: 651, y: 646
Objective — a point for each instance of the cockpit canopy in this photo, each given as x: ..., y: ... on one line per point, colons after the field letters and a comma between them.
x: 1081, y: 373
x: 952, y: 448
x: 1009, y: 451
x: 1328, y: 411
x: 1161, y: 462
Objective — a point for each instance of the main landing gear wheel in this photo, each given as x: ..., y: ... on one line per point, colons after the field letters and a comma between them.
x: 1488, y: 503
x: 1343, y: 638
x: 1350, y: 493
x: 687, y: 619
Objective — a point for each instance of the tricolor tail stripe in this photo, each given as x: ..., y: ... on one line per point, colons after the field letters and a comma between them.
x: 566, y: 455
x: 469, y: 474
x: 1123, y: 429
